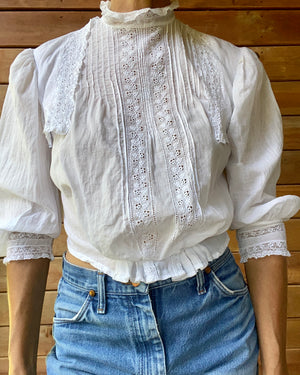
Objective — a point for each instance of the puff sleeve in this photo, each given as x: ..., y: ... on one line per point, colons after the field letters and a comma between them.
x: 30, y: 215
x: 255, y: 135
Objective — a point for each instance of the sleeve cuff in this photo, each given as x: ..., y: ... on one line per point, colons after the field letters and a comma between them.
x: 24, y: 246
x: 263, y: 241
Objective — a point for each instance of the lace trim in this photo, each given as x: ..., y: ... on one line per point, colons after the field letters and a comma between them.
x: 28, y: 252
x: 142, y: 212
x: 261, y: 231
x: 58, y: 118
x: 186, y: 208
x: 22, y: 235
x: 140, y: 17
x: 206, y: 64
x: 264, y: 249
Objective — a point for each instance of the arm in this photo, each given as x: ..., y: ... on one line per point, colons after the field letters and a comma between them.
x: 267, y: 280
x: 26, y: 287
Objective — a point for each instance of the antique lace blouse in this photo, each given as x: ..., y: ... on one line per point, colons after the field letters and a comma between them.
x: 157, y: 137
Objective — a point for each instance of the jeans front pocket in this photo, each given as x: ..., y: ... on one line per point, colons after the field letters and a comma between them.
x: 71, y: 303
x: 229, y: 279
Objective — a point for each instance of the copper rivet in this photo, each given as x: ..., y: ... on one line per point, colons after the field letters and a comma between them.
x: 92, y: 293
x: 207, y: 269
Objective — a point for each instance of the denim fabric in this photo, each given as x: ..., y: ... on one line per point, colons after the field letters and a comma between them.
x: 202, y: 325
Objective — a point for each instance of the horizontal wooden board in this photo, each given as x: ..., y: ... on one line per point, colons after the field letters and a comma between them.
x: 50, y: 296
x: 281, y: 63
x: 287, y: 95
x: 290, y: 167
x: 56, y: 271
x: 251, y: 28
x: 184, y: 4
x: 291, y: 132
x: 46, y: 340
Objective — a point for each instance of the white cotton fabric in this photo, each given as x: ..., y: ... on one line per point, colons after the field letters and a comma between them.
x: 158, y: 138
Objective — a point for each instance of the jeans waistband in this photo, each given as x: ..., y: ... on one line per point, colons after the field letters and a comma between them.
x: 88, y: 279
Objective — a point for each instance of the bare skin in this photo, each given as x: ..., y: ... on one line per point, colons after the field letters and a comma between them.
x: 267, y: 280
x: 26, y: 280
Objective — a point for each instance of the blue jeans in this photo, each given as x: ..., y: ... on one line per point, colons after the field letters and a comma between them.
x: 202, y: 325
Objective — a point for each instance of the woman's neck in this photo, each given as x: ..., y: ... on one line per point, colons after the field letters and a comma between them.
x: 131, y: 5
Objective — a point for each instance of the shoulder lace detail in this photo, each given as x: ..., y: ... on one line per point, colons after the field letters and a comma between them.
x: 206, y: 64
x: 260, y: 242
x: 58, y: 118
x: 21, y: 246
x: 265, y: 249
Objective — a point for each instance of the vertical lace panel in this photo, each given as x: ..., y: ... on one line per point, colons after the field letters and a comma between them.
x: 187, y: 210
x: 141, y: 208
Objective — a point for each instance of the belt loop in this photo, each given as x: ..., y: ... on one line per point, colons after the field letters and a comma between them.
x: 101, y: 293
x: 200, y: 282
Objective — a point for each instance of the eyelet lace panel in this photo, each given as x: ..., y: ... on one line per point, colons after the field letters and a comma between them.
x: 22, y: 246
x: 142, y: 211
x: 260, y: 242
x: 207, y: 68
x: 186, y: 208
x: 58, y: 115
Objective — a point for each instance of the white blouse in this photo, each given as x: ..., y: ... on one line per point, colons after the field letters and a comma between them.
x: 158, y: 138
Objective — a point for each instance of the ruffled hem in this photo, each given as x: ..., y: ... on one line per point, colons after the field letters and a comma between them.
x: 136, y: 17
x: 178, y: 266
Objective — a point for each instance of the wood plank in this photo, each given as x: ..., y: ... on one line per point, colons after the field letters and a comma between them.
x: 41, y: 365
x: 53, y: 276
x: 45, y: 340
x: 50, y: 296
x: 47, y: 313
x: 251, y: 28
x: 7, y: 55
x: 56, y: 271
x: 184, y: 4
x: 290, y: 167
x: 291, y: 132
x: 281, y: 63
x: 286, y: 93
x: 288, y: 96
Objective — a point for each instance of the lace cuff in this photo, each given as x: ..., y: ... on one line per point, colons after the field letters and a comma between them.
x: 260, y: 242
x: 22, y: 246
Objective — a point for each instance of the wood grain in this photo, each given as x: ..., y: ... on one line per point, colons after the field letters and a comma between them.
x: 251, y: 28
x: 286, y: 93
x: 184, y: 4
x: 281, y: 63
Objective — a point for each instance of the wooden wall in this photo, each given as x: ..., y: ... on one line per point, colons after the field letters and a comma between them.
x: 269, y: 27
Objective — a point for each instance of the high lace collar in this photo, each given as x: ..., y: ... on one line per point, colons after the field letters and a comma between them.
x: 138, y: 18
